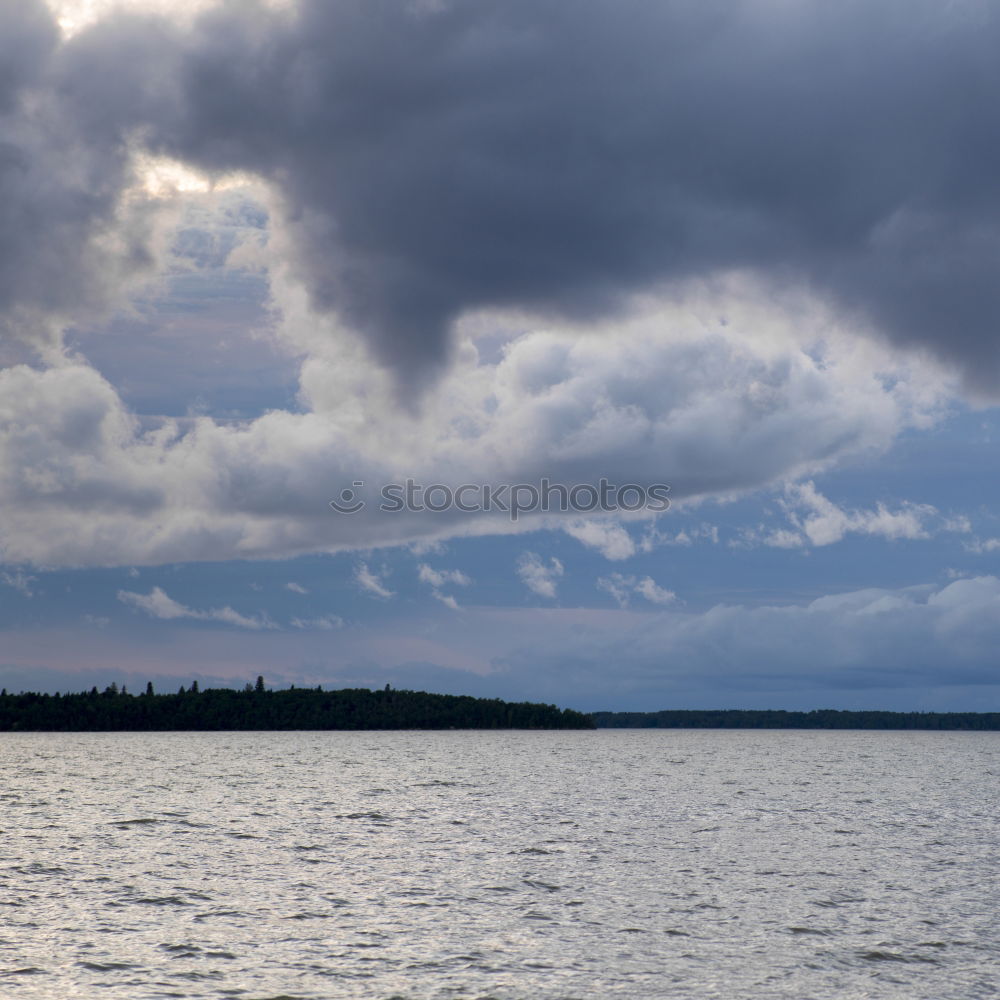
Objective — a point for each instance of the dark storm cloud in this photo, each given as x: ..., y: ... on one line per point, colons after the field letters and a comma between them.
x: 439, y: 156
x: 559, y: 156
x: 64, y: 243
x: 28, y: 37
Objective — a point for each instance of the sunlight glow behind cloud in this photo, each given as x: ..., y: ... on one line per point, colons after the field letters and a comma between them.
x: 162, y: 177
x: 74, y: 16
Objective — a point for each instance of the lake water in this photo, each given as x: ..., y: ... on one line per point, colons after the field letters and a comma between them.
x: 618, y: 863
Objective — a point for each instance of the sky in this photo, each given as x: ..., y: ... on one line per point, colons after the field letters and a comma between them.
x: 256, y: 257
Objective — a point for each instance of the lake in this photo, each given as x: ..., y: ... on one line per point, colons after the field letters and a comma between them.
x: 510, y: 865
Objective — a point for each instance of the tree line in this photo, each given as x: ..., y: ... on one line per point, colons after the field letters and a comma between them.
x: 826, y: 718
x: 255, y: 707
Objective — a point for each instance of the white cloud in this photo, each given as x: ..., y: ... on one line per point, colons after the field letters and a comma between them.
x: 617, y: 586
x: 621, y: 588
x: 296, y: 588
x: 819, y: 521
x: 783, y: 538
x: 959, y: 524
x: 82, y: 482
x: 983, y: 545
x: 654, y: 593
x: 371, y: 581
x: 20, y: 581
x: 537, y: 576
x: 231, y: 617
x: 156, y: 603
x: 652, y: 537
x: 439, y: 578
x: 608, y: 538
x: 159, y: 604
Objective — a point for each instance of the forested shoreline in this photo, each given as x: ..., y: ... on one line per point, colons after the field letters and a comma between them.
x: 256, y: 708
x: 775, y: 719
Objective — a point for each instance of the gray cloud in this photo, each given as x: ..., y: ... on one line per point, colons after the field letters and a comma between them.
x: 67, y: 243
x: 28, y: 38
x: 558, y: 157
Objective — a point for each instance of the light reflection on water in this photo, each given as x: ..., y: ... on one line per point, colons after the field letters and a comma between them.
x: 663, y: 863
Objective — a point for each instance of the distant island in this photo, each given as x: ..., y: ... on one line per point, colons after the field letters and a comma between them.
x: 827, y: 718
x: 255, y: 708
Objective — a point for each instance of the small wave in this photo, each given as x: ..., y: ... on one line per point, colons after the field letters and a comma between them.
x: 839, y: 900
x: 37, y: 868
x: 535, y: 884
x: 879, y: 955
x: 198, y: 976
x: 201, y: 917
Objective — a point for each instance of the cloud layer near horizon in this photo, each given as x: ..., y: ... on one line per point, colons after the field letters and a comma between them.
x: 929, y: 647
